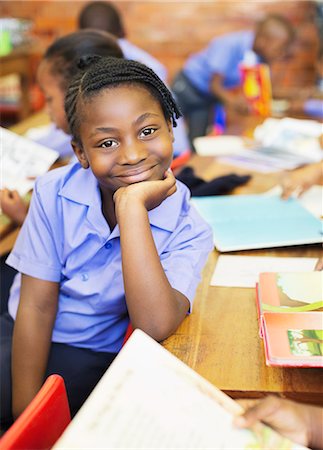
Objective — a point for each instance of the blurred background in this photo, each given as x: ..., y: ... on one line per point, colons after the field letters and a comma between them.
x: 169, y: 30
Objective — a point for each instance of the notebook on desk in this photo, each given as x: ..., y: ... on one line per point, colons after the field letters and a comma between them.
x: 290, y: 314
x: 245, y: 222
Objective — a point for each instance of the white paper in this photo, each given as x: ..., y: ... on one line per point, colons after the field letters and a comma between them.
x: 218, y: 145
x: 22, y: 160
x: 149, y: 399
x: 243, y: 271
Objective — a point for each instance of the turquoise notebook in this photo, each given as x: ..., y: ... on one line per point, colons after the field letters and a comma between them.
x: 243, y: 222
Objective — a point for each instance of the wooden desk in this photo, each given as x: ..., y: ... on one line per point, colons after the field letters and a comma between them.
x: 220, y: 340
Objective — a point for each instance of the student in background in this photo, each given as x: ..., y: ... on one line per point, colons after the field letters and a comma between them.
x: 105, y: 16
x: 110, y: 238
x: 298, y: 422
x: 208, y: 75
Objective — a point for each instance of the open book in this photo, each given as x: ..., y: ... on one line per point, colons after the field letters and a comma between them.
x: 245, y: 222
x: 22, y: 161
x: 290, y: 312
x: 149, y: 399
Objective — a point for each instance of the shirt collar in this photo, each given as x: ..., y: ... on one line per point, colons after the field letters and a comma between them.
x: 82, y: 187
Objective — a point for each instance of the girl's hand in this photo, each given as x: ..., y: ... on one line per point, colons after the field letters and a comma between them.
x: 149, y: 193
x: 13, y: 206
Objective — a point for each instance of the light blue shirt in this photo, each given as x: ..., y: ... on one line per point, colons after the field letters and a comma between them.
x: 65, y: 238
x: 131, y: 51
x: 56, y: 139
x: 222, y: 56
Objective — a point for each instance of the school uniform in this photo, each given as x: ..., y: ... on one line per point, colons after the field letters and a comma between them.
x: 131, y: 51
x: 192, y: 85
x: 65, y: 238
x: 56, y: 139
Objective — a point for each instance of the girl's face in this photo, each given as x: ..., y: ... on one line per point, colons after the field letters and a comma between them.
x: 125, y: 137
x: 54, y: 95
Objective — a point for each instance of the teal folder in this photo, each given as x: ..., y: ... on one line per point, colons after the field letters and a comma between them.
x: 245, y: 222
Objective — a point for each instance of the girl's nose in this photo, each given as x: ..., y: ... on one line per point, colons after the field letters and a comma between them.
x: 133, y: 152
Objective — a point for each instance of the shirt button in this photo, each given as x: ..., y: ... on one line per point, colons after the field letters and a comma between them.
x: 108, y: 245
x: 84, y: 277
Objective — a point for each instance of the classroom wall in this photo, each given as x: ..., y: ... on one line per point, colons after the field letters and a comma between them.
x: 171, y: 30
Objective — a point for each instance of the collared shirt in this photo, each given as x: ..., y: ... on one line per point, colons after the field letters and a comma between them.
x: 55, y: 138
x: 66, y: 239
x: 222, y: 56
x: 131, y: 51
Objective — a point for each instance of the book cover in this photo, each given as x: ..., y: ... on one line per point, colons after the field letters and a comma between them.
x: 245, y: 222
x: 290, y: 313
x: 149, y: 399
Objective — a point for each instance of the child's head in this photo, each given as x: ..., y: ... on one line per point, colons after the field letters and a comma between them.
x: 273, y: 36
x: 102, y: 16
x: 121, y: 116
x: 59, y: 65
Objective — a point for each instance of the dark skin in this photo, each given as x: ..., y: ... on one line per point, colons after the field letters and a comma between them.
x: 271, y: 43
x: 127, y: 143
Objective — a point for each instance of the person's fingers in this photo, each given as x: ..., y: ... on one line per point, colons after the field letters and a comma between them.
x: 319, y: 265
x: 260, y: 411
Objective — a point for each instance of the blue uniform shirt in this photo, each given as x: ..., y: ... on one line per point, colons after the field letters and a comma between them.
x: 131, y: 51
x: 222, y: 56
x: 65, y: 238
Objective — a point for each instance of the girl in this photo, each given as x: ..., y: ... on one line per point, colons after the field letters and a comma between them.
x: 54, y: 74
x: 108, y: 239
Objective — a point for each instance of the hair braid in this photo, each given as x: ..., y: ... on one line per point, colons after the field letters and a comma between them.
x: 98, y: 73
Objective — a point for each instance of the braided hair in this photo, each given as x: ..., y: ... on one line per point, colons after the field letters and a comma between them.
x: 97, y: 73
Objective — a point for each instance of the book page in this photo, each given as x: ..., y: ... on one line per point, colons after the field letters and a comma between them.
x: 148, y: 399
x: 22, y: 160
x: 246, y: 269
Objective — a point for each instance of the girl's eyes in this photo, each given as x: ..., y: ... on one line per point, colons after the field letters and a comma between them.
x: 110, y: 143
x: 147, y: 132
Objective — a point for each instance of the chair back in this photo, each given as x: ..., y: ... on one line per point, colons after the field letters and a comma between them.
x: 43, y: 421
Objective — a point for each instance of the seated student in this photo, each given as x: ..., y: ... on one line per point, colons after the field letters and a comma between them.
x: 105, y: 16
x: 298, y: 422
x: 55, y: 72
x: 108, y: 239
x: 208, y: 75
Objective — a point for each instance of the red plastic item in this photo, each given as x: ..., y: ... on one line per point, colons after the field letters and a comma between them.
x: 43, y: 421
x: 128, y: 334
x: 181, y: 159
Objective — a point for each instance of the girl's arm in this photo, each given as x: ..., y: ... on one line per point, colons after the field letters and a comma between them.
x: 32, y: 339
x: 153, y: 305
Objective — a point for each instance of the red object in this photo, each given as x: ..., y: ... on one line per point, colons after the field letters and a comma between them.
x: 180, y: 160
x: 128, y: 334
x: 43, y: 421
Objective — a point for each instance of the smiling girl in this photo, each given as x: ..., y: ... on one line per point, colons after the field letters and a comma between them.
x: 109, y: 239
